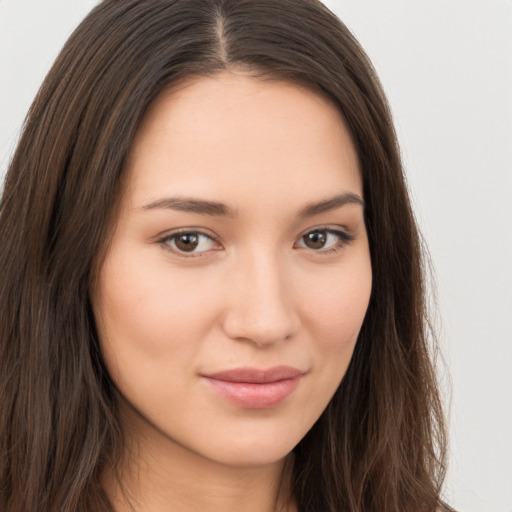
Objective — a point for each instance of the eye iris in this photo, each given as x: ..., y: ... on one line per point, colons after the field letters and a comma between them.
x: 187, y: 242
x: 315, y: 239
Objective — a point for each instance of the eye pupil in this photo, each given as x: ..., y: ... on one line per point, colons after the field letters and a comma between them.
x: 187, y: 242
x: 315, y: 239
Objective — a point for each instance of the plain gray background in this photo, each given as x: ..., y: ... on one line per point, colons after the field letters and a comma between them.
x: 447, y: 68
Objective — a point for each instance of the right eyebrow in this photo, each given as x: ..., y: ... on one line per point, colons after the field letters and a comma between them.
x: 199, y: 206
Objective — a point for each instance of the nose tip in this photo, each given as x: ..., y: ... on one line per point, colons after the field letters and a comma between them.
x: 260, y: 332
x: 261, y: 309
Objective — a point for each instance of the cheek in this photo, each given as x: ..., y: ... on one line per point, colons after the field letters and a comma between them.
x: 336, y: 313
x: 147, y: 302
x: 338, y: 303
x: 148, y: 320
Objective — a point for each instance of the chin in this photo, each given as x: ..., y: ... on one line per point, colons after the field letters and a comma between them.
x: 256, y: 455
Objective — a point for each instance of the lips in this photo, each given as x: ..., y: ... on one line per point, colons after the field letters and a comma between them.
x: 253, y: 388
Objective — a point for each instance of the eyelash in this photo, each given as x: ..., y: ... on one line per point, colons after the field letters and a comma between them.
x: 344, y: 239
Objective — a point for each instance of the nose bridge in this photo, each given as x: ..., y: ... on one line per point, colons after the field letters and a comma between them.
x: 261, y: 308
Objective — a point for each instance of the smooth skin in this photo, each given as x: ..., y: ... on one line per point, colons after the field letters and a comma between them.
x: 278, y: 274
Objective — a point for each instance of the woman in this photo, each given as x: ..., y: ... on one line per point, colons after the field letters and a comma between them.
x: 212, y: 293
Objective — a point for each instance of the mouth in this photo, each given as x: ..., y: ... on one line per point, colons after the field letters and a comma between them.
x: 252, y: 388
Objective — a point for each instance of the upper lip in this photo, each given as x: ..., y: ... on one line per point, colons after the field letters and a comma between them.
x: 256, y: 375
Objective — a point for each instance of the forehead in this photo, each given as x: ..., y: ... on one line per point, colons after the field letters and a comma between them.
x: 230, y: 134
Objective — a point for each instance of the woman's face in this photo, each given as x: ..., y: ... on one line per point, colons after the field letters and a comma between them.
x: 239, y: 272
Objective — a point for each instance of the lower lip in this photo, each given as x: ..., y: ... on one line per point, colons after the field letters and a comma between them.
x: 255, y: 396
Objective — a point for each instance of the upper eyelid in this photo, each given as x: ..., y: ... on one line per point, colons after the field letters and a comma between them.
x: 202, y: 231
x: 332, y: 228
x: 169, y: 234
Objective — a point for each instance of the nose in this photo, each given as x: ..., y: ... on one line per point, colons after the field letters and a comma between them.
x: 261, y: 306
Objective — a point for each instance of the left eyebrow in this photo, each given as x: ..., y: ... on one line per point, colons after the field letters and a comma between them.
x: 330, y: 204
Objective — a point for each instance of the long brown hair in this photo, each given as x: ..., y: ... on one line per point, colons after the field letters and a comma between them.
x: 380, y: 444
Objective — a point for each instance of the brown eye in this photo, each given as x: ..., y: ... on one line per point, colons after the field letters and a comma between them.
x: 187, y: 242
x: 325, y: 241
x: 315, y: 239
